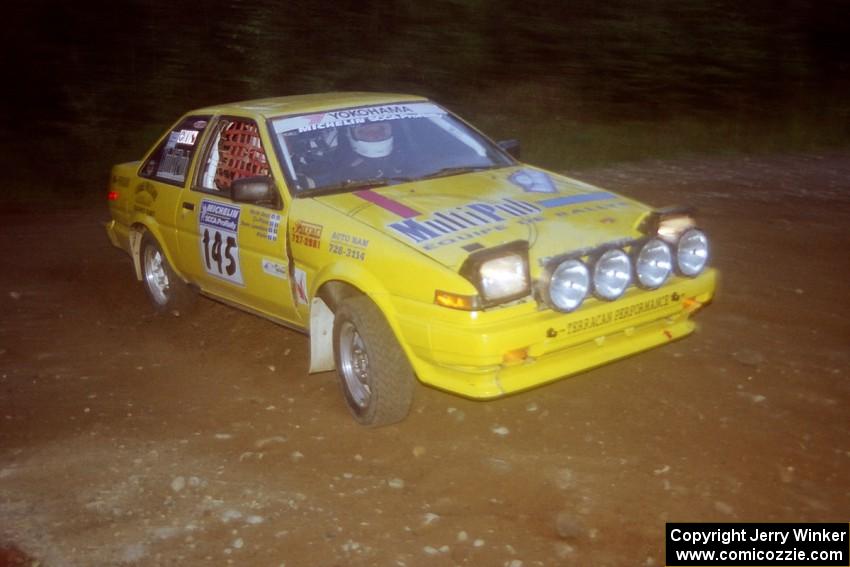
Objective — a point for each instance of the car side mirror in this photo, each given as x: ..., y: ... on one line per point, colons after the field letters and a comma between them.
x: 510, y: 146
x: 258, y: 190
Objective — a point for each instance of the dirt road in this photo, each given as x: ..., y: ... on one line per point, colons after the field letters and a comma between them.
x: 132, y: 439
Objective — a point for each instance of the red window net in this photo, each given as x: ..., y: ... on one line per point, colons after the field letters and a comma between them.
x: 240, y: 154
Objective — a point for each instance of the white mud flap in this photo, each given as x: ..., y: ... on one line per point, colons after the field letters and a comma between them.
x: 321, y: 337
x: 136, y: 248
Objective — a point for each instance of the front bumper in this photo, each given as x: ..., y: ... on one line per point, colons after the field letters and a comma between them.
x: 494, y: 353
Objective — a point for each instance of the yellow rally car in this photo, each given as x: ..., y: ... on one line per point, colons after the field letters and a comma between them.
x: 406, y: 244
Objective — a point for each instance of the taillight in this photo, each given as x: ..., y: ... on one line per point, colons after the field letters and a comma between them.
x: 112, y: 196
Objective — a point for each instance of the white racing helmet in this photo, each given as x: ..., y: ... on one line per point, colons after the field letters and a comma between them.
x: 371, y: 139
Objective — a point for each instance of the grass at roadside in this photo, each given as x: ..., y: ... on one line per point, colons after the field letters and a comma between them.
x: 559, y: 143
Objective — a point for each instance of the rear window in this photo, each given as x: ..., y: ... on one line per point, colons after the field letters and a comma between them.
x: 170, y: 161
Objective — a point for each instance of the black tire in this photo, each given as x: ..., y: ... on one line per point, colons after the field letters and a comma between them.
x: 166, y: 291
x: 376, y: 378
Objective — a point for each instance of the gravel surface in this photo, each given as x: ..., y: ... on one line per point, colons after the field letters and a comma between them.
x: 131, y: 439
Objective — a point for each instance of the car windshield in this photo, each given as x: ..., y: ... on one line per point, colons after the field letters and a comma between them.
x: 352, y: 148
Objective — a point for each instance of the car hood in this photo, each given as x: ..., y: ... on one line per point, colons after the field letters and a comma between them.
x: 448, y: 218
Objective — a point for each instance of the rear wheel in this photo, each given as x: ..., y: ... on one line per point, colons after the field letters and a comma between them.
x: 166, y: 290
x: 376, y: 378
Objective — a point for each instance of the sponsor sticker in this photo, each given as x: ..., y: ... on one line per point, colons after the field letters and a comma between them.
x: 187, y: 137
x: 592, y: 208
x: 274, y: 227
x: 219, y: 215
x: 533, y: 181
x: 264, y: 224
x: 300, y: 286
x: 218, y: 227
x: 469, y: 217
x: 307, y: 234
x: 348, y: 245
x: 349, y: 116
x: 620, y: 314
x: 274, y: 269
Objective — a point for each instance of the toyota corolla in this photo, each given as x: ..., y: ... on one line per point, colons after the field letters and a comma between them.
x: 406, y: 244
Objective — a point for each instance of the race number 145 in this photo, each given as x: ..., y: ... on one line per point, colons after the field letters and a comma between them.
x: 221, y: 254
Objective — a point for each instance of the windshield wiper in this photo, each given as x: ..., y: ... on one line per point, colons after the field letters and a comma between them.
x: 457, y: 170
x: 353, y: 185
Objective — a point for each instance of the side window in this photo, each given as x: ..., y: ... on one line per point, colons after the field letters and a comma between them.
x: 170, y: 161
x: 235, y: 151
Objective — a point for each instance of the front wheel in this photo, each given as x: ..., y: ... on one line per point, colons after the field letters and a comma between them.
x: 376, y: 378
x: 166, y: 290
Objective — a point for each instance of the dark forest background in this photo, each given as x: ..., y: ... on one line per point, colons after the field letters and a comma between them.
x: 579, y: 82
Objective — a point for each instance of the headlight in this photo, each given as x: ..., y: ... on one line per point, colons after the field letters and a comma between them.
x: 503, y: 277
x: 612, y: 274
x: 692, y: 252
x: 653, y: 264
x: 670, y: 227
x: 668, y: 223
x: 568, y: 285
x: 499, y: 274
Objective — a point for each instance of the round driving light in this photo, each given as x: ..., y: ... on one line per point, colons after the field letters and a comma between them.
x: 654, y: 264
x: 692, y: 252
x: 568, y: 285
x: 612, y: 274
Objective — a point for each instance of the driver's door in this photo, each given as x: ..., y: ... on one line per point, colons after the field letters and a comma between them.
x: 236, y: 251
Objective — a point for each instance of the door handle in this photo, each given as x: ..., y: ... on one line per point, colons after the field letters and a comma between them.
x: 188, y: 206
